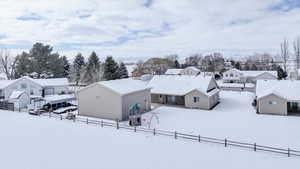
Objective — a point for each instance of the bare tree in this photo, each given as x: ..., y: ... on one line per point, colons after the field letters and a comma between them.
x: 285, y: 53
x: 7, y: 64
x: 297, y: 52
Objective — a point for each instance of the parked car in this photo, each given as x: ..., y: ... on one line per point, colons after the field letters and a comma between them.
x: 36, y: 111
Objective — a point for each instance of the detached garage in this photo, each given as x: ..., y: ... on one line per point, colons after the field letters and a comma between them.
x: 278, y: 97
x: 112, y: 99
x: 20, y: 99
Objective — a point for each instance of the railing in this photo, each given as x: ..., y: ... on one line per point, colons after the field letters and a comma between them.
x: 177, y: 135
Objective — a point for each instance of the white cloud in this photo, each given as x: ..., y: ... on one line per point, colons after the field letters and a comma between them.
x: 126, y: 28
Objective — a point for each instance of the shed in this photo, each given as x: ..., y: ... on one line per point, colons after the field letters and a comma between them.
x: 20, y: 99
x: 112, y: 99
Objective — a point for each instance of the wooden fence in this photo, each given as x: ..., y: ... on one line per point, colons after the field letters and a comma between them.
x: 178, y: 135
x: 4, y: 105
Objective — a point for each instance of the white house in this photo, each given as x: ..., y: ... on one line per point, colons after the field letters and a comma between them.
x: 191, y: 71
x: 188, y: 91
x: 34, y: 87
x: 278, y: 97
x: 113, y: 99
x: 238, y: 76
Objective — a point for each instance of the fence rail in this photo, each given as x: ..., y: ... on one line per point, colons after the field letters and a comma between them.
x: 177, y: 135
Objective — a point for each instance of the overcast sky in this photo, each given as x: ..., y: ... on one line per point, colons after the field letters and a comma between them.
x: 149, y: 28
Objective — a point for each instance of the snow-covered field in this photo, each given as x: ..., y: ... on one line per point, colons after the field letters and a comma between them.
x: 31, y: 142
x: 234, y: 118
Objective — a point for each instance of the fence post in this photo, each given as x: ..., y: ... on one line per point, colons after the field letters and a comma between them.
x: 225, y: 143
x: 49, y: 114
x: 254, y: 146
x: 74, y: 120
x: 60, y: 117
x: 117, y: 124
x: 87, y: 120
x: 199, y: 138
x: 101, y: 123
x: 134, y: 128
x: 175, y: 135
x: 289, y: 152
x: 154, y: 131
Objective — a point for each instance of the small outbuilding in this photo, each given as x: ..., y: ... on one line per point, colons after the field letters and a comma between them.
x: 20, y: 99
x: 113, y: 99
x: 278, y: 97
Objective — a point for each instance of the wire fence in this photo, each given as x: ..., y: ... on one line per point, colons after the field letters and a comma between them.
x: 178, y: 135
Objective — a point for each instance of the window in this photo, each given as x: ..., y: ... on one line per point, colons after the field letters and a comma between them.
x: 272, y: 102
x: 31, y: 92
x: 226, y: 75
x: 196, y: 99
x: 23, y: 86
x: 160, y: 96
x: 231, y: 75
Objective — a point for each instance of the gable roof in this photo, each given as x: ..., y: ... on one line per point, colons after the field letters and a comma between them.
x: 173, y: 71
x: 178, y: 85
x: 51, y: 82
x: 257, y: 72
x: 286, y: 89
x: 16, y: 94
x: 5, y: 83
x: 125, y: 86
x: 192, y: 68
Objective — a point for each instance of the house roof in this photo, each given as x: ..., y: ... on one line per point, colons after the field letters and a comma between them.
x: 52, y: 82
x: 173, y: 71
x: 192, y: 68
x: 125, y: 86
x: 178, y: 85
x: 257, y: 72
x: 287, y: 89
x: 16, y: 94
x: 5, y: 83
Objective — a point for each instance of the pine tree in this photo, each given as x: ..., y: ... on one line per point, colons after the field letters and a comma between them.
x: 111, y: 69
x: 78, y: 65
x: 123, y: 73
x: 92, y: 69
x: 281, y: 73
x: 177, y: 64
x: 66, y: 66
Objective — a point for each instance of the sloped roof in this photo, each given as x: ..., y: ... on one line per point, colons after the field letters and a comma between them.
x: 287, y: 89
x: 52, y: 82
x: 192, y: 68
x: 173, y: 71
x: 16, y: 94
x: 5, y: 83
x: 125, y: 86
x: 178, y: 85
x: 254, y: 73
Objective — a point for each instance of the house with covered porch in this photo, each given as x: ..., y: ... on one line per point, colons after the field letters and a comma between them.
x: 187, y: 91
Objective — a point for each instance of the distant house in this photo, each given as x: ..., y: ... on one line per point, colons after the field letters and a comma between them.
x: 238, y: 76
x: 192, y: 71
x: 188, y: 91
x: 32, y: 87
x: 278, y: 97
x: 113, y: 99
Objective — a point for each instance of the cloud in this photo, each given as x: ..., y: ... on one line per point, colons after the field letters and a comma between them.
x: 147, y: 28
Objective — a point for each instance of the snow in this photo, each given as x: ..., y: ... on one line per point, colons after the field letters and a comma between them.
x: 173, y: 71
x: 52, y: 82
x: 178, y: 85
x: 287, y: 89
x: 249, y: 73
x: 39, y: 142
x: 240, y: 85
x: 58, y: 98
x: 234, y: 118
x: 130, y: 69
x: 16, y: 94
x: 125, y: 86
x: 5, y: 83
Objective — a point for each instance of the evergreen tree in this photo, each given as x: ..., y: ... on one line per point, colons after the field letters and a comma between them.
x: 66, y: 66
x: 23, y: 65
x: 177, y: 64
x: 281, y: 73
x: 78, y: 65
x: 237, y: 65
x: 92, y: 69
x: 111, y: 69
x: 123, y: 73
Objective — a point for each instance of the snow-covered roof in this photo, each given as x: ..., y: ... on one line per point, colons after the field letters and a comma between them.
x: 254, y: 73
x: 192, y: 68
x: 53, y: 99
x: 179, y: 85
x: 52, y: 82
x: 173, y: 71
x: 5, y: 83
x: 125, y: 86
x: 287, y: 89
x: 16, y: 94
